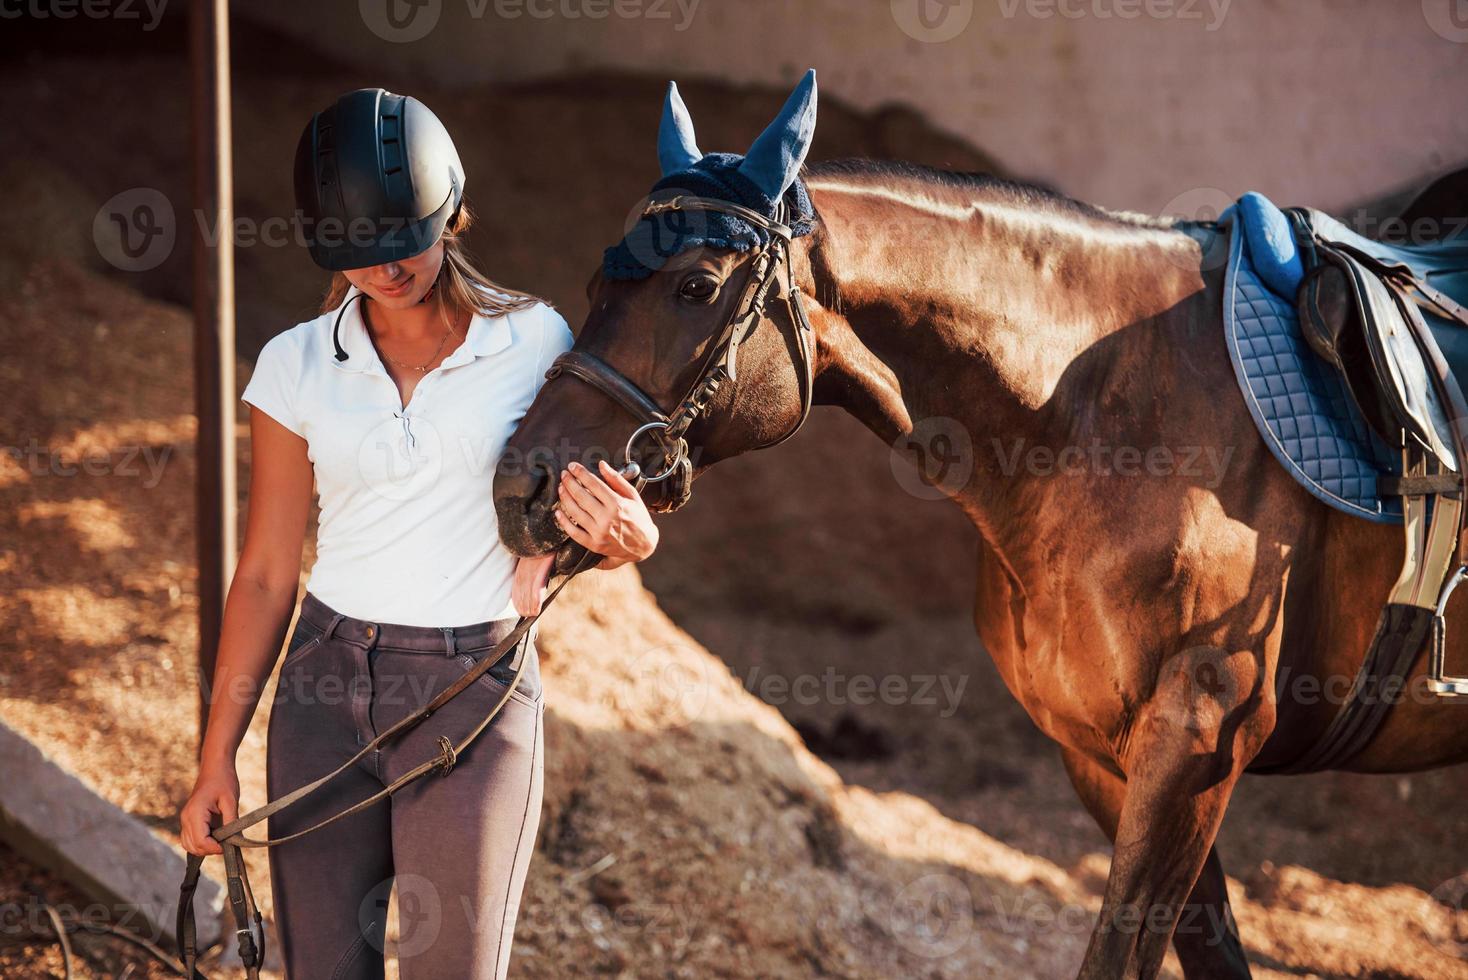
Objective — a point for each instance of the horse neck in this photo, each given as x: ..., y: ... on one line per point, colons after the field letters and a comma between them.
x: 1026, y: 323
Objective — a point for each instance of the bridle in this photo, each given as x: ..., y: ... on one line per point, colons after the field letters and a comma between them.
x: 669, y: 428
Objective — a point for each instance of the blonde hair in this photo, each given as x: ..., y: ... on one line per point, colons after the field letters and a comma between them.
x: 461, y: 287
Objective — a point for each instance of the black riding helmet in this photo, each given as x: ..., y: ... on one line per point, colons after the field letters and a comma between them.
x: 377, y: 180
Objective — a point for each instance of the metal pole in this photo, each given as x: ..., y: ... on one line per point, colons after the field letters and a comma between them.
x: 214, y: 383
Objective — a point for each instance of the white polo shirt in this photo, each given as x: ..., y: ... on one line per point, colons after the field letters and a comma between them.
x: 408, y: 532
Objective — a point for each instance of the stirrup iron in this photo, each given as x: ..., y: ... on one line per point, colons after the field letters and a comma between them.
x: 1438, y: 681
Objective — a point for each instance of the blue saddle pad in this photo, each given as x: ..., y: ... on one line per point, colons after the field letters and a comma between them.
x: 1298, y: 402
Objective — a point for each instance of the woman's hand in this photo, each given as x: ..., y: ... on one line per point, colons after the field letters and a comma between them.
x: 605, y: 514
x: 531, y: 574
x: 216, y: 791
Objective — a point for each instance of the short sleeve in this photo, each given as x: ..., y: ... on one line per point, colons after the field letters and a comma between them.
x: 555, y: 339
x: 273, y: 384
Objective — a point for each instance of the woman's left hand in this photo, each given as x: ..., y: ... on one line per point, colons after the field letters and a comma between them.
x: 605, y: 514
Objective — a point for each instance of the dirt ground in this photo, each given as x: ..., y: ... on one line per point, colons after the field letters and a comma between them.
x: 722, y: 798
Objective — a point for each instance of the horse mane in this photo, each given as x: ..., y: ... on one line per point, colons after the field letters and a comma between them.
x: 944, y: 185
x: 1017, y: 192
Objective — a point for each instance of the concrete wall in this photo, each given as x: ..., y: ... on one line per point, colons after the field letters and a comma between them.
x: 1145, y: 104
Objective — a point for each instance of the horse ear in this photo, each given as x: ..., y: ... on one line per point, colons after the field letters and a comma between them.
x: 676, y: 149
x: 775, y: 157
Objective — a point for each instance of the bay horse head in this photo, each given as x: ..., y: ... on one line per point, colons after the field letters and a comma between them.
x: 696, y: 347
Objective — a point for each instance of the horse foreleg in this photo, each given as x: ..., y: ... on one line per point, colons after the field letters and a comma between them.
x: 1186, y: 749
x: 1206, y: 941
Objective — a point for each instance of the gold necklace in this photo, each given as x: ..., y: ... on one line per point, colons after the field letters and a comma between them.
x: 448, y: 332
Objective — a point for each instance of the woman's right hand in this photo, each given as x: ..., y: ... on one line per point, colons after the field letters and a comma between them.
x: 216, y: 792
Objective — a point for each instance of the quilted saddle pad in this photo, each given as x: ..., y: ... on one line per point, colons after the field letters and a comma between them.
x: 1298, y: 402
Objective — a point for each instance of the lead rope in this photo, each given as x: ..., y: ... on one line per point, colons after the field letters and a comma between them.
x: 250, y: 927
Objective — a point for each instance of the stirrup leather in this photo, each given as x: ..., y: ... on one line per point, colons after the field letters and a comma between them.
x: 1432, y: 538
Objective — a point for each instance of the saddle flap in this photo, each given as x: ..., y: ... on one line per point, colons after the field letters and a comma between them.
x: 1330, y: 326
x: 1406, y: 391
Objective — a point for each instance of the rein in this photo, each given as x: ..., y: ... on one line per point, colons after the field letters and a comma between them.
x: 719, y: 365
x: 250, y: 928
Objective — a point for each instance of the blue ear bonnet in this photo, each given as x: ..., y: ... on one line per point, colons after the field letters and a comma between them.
x: 767, y: 174
x: 657, y: 238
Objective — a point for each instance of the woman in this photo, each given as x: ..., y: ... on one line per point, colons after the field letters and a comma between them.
x: 398, y: 400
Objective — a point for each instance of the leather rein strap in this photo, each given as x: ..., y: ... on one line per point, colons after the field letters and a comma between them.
x: 250, y: 928
x: 720, y: 364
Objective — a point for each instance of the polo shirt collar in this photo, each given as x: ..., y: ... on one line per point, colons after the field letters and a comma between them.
x: 486, y: 336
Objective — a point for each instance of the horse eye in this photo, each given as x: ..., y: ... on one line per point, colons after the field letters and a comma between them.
x: 699, y: 289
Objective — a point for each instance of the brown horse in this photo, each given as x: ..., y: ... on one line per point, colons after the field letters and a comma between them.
x: 1147, y: 569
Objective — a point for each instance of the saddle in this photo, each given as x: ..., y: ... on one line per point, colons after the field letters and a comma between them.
x: 1387, y: 330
